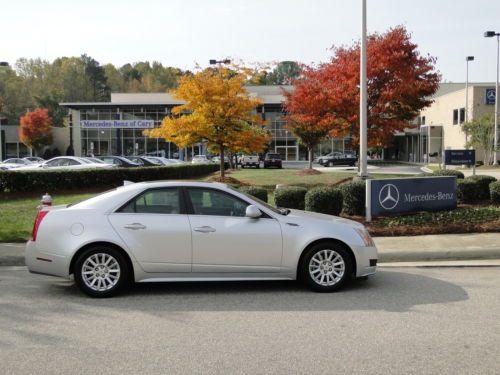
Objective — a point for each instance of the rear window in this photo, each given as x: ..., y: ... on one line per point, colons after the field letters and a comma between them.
x: 273, y: 156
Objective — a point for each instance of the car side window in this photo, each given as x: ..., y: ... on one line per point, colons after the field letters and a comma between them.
x: 215, y: 203
x: 53, y: 163
x: 157, y: 201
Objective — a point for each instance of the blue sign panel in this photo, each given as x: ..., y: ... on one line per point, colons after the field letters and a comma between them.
x: 460, y: 157
x: 406, y: 195
x: 489, y: 97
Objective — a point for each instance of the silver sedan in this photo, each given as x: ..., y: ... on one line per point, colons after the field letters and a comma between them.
x: 193, y: 231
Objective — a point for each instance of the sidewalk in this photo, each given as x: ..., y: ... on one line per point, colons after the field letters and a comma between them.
x: 440, y: 247
x: 472, y: 246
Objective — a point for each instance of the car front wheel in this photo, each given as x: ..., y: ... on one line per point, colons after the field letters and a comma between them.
x: 101, y: 271
x: 326, y: 267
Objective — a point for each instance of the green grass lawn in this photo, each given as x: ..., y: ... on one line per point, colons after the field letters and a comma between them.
x: 17, y: 215
x: 271, y: 177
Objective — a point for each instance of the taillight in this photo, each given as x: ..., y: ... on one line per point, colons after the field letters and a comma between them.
x: 38, y: 220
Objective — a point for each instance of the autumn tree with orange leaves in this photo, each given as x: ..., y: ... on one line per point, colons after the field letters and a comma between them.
x: 35, y: 129
x: 218, y: 110
x: 400, y: 84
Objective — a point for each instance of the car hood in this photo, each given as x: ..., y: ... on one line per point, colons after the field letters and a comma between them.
x: 299, y: 216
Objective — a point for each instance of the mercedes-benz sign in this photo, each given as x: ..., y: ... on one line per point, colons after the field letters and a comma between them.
x: 405, y: 195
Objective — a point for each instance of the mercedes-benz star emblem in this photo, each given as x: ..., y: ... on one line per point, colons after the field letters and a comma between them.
x: 491, y: 95
x: 388, y: 196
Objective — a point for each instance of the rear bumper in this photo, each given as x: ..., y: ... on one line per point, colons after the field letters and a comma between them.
x: 45, y: 263
x: 366, y: 260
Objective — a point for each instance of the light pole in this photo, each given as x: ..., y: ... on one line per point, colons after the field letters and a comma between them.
x: 467, y: 59
x: 363, y: 144
x: 2, y: 64
x: 491, y: 34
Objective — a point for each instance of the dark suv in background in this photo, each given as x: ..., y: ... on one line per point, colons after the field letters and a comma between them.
x: 272, y: 160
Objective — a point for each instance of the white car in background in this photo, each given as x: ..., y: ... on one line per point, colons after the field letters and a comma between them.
x: 66, y: 162
x: 163, y: 161
x: 34, y: 159
x: 200, y: 159
x: 13, y: 163
x: 194, y: 231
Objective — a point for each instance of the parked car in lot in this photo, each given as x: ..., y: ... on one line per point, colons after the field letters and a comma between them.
x: 119, y: 161
x: 250, y: 161
x: 187, y: 231
x: 200, y: 159
x: 338, y: 158
x: 272, y: 160
x: 143, y: 161
x: 65, y: 162
x: 18, y: 162
x: 34, y: 159
x: 14, y: 163
x: 163, y: 161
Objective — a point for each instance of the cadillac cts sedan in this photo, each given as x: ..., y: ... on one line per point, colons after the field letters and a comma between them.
x: 194, y: 231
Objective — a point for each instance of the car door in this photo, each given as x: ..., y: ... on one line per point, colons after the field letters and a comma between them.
x: 156, y: 229
x: 225, y: 241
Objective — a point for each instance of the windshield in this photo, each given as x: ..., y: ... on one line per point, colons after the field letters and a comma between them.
x: 279, y: 211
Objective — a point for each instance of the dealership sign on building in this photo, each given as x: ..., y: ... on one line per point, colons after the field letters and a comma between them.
x: 489, y: 97
x: 406, y: 195
x: 117, y: 124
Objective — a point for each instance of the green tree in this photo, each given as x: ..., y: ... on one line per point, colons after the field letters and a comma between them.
x: 284, y: 73
x: 481, y: 135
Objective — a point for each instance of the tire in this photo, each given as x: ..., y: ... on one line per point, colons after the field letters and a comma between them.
x: 242, y: 166
x: 317, y: 269
x: 112, y: 263
x: 257, y: 166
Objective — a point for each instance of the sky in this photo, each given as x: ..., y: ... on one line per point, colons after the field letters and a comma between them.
x: 185, y: 32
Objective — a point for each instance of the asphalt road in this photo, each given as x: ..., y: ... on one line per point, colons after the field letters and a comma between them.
x: 402, y: 321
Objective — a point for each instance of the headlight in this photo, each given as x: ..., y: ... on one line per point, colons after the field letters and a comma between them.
x: 365, y: 236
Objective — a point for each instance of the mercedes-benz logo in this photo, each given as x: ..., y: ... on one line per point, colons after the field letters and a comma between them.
x: 491, y: 94
x: 388, y: 196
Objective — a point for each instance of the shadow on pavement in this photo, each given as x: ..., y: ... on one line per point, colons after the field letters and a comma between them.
x: 387, y: 290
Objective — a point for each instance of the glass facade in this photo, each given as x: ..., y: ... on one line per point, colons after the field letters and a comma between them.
x: 133, y: 142
x: 124, y: 141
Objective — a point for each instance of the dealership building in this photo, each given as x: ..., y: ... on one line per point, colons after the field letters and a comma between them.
x: 116, y: 127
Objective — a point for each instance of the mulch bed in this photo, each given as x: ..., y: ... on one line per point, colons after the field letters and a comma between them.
x: 408, y: 230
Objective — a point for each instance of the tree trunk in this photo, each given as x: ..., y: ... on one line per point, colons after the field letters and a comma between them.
x: 222, y: 168
x: 231, y: 161
x: 310, y: 152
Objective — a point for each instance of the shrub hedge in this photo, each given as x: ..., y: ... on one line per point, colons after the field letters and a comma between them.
x: 256, y: 191
x: 468, y: 191
x: 354, y: 195
x: 483, y: 186
x: 49, y: 181
x: 290, y: 197
x: 324, y: 199
x: 449, y: 172
x: 495, y: 192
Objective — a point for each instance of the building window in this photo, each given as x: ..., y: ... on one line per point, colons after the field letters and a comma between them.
x: 462, y: 115
x: 423, y: 120
x: 455, y: 116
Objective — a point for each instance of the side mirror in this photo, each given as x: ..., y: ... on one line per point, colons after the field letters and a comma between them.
x: 253, y: 212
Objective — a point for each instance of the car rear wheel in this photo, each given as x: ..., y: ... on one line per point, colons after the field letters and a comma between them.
x: 101, y: 271
x: 326, y: 267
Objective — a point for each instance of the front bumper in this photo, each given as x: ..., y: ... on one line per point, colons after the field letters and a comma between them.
x: 366, y: 259
x: 44, y: 262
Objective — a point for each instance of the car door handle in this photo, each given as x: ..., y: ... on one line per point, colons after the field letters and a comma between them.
x: 135, y: 226
x: 205, y: 229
